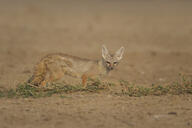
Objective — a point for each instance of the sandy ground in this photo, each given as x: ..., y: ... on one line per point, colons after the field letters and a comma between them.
x: 157, y: 36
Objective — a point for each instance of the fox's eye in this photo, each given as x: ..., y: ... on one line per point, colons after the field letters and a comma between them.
x: 108, y: 62
x: 114, y: 63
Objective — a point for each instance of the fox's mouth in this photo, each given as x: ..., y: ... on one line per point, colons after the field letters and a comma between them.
x: 110, y: 68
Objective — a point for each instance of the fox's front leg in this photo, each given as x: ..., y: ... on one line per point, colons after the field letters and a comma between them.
x: 84, y: 78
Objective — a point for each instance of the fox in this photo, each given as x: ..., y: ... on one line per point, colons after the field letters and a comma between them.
x: 55, y: 66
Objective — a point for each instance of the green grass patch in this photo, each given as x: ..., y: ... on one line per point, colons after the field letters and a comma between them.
x: 25, y: 90
x: 183, y: 86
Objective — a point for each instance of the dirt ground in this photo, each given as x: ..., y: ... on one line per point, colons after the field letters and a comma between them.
x: 157, y: 36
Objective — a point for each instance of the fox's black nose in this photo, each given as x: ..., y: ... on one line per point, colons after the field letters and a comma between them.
x: 111, y: 68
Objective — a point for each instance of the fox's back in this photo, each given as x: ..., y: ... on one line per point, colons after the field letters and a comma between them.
x: 68, y: 62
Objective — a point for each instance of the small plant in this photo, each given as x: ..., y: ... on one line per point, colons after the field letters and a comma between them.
x: 11, y: 93
x: 2, y: 94
x: 132, y: 90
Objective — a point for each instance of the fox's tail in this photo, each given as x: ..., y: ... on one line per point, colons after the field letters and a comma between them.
x: 38, y: 75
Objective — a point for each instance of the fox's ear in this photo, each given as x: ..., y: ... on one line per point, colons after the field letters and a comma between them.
x: 119, y: 53
x: 104, y: 52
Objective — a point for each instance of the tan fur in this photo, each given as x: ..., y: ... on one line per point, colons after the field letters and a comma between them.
x: 58, y: 65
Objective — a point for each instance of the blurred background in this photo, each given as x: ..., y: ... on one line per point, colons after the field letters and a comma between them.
x: 157, y: 36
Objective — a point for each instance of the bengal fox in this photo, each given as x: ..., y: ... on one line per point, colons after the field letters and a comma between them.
x: 58, y: 65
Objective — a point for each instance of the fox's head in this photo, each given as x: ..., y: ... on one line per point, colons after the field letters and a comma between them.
x: 110, y: 61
